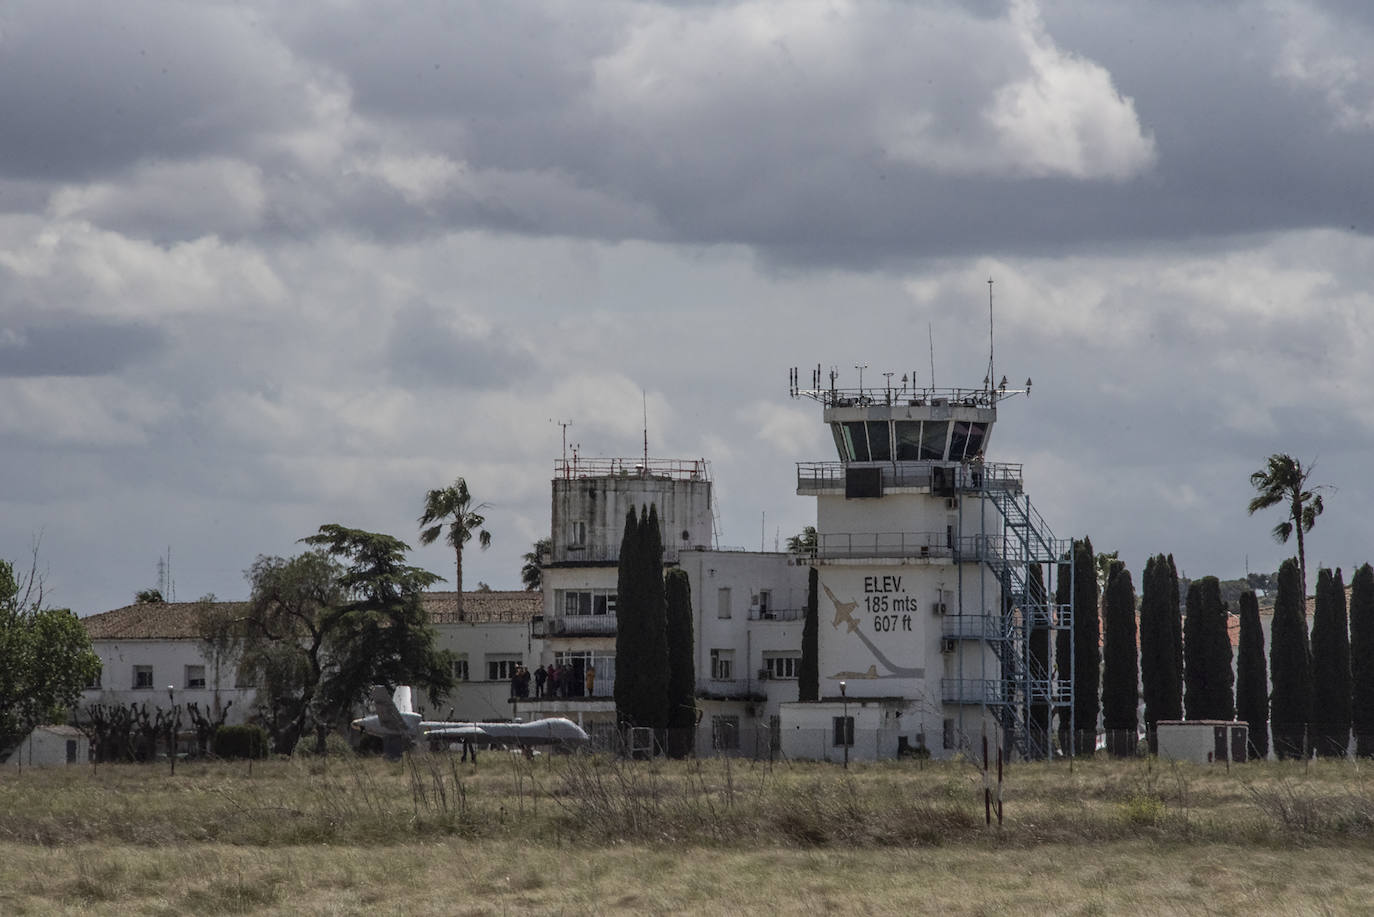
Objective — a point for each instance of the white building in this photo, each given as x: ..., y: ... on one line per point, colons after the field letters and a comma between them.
x: 928, y: 594
x: 52, y: 746
x: 926, y: 558
x: 149, y: 649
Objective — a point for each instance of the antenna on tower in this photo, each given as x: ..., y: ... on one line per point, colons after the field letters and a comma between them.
x: 644, y: 396
x: 991, y: 378
x: 930, y: 333
x: 564, y: 424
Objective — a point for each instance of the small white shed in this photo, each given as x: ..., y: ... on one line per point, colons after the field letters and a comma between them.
x: 1203, y: 741
x: 49, y: 746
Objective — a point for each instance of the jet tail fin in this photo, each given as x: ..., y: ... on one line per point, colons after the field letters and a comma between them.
x: 391, y: 713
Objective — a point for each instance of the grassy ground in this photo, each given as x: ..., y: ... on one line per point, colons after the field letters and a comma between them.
x: 594, y: 835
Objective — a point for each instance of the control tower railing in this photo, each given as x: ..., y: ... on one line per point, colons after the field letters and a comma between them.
x: 941, y: 477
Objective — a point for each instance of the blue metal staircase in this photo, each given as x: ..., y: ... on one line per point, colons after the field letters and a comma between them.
x: 1026, y: 541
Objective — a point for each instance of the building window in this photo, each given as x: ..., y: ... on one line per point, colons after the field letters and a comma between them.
x: 460, y: 667
x: 577, y: 602
x: 842, y: 728
x: 782, y: 665
x: 948, y: 731
x: 577, y: 534
x: 765, y: 603
x: 723, y: 603
x: 725, y: 732
x: 143, y: 676
x: 94, y: 683
x: 722, y: 665
x: 501, y: 668
x: 195, y: 676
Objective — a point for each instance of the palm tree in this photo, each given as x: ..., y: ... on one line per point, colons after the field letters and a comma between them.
x: 531, y: 574
x: 454, y: 501
x: 1284, y: 480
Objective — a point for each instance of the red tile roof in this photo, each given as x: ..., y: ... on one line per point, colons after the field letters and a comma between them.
x: 181, y: 620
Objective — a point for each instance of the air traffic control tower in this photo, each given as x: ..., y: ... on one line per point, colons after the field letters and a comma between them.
x: 935, y: 573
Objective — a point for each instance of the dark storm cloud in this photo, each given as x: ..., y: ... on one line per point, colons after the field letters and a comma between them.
x: 787, y: 146
x: 75, y: 348
x: 90, y: 88
x: 425, y: 349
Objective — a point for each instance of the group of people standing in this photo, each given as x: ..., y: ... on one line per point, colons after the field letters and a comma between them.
x: 553, y: 680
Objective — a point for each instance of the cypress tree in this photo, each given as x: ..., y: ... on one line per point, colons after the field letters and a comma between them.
x: 1174, y: 617
x: 1159, y: 673
x: 1208, y: 678
x: 1362, y: 659
x: 1252, y: 690
x: 1084, y: 632
x: 1330, y: 667
x: 1038, y: 648
x: 654, y: 661
x: 682, y: 674
x: 809, y: 669
x: 629, y: 622
x: 1120, y: 669
x: 1290, y: 665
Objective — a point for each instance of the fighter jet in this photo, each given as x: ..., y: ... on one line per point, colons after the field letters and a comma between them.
x: 396, y: 719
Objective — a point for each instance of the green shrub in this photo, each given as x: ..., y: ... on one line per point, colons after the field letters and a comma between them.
x: 240, y: 742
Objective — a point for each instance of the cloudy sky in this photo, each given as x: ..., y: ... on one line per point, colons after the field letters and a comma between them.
x: 265, y: 265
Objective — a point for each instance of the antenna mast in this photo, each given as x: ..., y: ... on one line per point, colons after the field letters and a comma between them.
x: 644, y: 398
x: 564, y: 424
x: 991, y: 379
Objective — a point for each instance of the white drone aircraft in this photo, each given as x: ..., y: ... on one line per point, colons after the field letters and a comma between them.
x: 396, y: 718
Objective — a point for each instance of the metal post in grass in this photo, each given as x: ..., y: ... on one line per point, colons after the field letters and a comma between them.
x: 844, y: 724
x: 171, y: 728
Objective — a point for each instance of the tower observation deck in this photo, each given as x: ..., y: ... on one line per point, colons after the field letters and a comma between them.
x: 912, y: 505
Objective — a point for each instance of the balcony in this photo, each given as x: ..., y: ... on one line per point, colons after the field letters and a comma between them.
x: 595, y: 555
x: 829, y: 477
x: 990, y: 691
x: 973, y: 627
x: 575, y: 626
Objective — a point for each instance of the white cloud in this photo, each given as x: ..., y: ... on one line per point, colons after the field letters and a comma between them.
x: 1328, y: 58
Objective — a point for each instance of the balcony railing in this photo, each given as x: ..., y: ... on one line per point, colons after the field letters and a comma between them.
x: 821, y: 477
x: 597, y: 554
x: 574, y: 626
x: 671, y: 469
x: 972, y: 691
x: 965, y: 549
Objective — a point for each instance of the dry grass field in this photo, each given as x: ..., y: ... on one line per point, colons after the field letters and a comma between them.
x: 591, y: 835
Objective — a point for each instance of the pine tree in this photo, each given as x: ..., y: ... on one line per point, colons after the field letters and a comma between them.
x: 1252, y: 694
x: 1120, y: 670
x: 1362, y: 659
x: 1290, y: 665
x: 809, y: 670
x: 1330, y: 667
x: 1086, y: 659
x: 1208, y: 678
x: 682, y: 675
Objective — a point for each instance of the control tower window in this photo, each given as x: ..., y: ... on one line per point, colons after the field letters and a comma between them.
x: 879, y: 442
x: 856, y: 441
x: 933, y: 435
x: 967, y: 440
x: 908, y: 440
